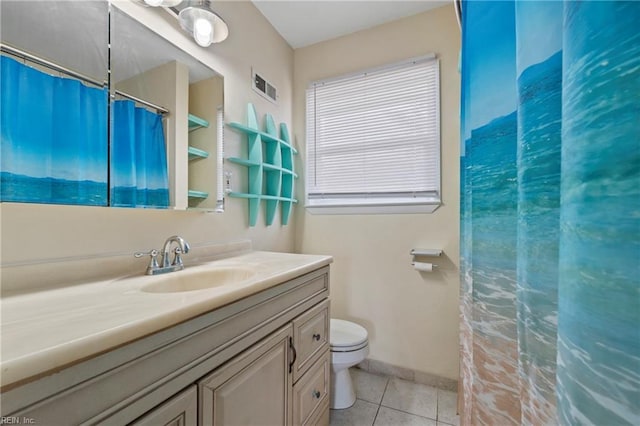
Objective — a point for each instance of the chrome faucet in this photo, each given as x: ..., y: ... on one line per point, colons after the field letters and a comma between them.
x: 165, y: 265
x: 183, y: 247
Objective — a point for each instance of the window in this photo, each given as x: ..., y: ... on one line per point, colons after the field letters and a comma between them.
x: 373, y: 140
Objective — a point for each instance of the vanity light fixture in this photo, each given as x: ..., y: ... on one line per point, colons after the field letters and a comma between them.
x: 205, y: 25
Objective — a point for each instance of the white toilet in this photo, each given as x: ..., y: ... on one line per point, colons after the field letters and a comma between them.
x: 349, y: 346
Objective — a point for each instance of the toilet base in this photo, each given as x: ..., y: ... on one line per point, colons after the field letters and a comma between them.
x: 343, y: 394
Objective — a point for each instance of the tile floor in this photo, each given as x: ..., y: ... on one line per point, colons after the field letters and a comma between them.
x: 389, y: 401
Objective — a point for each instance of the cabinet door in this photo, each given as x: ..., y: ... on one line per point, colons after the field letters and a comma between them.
x: 181, y: 410
x: 254, y: 388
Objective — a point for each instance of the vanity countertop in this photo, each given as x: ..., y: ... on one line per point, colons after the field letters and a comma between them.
x: 46, y: 330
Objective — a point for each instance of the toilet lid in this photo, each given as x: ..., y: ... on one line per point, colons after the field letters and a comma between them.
x: 346, y: 333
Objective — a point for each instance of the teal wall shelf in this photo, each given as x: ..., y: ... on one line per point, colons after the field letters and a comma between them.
x: 196, y: 122
x: 198, y: 194
x: 195, y: 153
x: 270, y: 166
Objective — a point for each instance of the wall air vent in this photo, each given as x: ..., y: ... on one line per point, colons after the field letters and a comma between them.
x: 263, y: 87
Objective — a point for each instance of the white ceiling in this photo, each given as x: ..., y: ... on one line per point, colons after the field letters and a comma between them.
x: 305, y: 22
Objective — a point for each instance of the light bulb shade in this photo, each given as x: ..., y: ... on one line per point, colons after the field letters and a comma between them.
x: 205, y: 26
x: 163, y: 3
x: 203, y: 32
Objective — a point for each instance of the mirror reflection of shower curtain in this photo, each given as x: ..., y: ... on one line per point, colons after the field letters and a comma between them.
x: 53, y: 138
x: 139, y: 175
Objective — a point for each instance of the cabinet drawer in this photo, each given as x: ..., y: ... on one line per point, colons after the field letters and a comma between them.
x: 310, y: 337
x: 322, y: 416
x: 311, y: 392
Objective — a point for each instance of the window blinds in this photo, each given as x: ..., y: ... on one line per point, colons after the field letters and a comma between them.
x: 373, y: 138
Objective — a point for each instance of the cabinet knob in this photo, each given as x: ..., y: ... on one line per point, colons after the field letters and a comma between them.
x: 316, y: 394
x: 316, y: 337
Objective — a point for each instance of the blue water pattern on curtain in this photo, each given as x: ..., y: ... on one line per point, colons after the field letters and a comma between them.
x: 139, y: 174
x: 558, y: 173
x: 53, y: 138
x: 538, y: 232
x: 539, y: 62
x: 489, y: 237
x: 599, y: 311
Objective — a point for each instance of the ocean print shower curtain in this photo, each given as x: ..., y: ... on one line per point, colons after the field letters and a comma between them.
x: 550, y: 212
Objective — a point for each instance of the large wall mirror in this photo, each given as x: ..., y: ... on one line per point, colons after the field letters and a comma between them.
x: 148, y: 134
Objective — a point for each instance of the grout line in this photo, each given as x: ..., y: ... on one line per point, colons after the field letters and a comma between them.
x: 403, y: 411
x: 412, y: 414
x: 386, y: 385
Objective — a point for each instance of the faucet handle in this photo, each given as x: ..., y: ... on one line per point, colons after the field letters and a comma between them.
x: 177, y: 259
x: 153, y: 261
x: 153, y: 253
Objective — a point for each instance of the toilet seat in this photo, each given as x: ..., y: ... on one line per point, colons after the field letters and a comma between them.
x: 349, y: 348
x: 346, y: 336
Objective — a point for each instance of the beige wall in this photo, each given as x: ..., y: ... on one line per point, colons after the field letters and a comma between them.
x: 412, y: 317
x: 205, y: 97
x: 35, y: 232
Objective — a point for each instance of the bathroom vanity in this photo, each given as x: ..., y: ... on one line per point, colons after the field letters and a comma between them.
x: 242, y: 340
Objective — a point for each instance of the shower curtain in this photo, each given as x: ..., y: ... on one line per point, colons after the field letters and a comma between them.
x: 53, y: 138
x: 550, y: 212
x: 139, y: 173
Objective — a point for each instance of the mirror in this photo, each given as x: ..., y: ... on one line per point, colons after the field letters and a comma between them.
x: 162, y: 110
x: 53, y: 100
x: 151, y: 73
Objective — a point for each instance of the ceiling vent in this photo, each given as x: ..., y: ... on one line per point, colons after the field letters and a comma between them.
x: 263, y: 87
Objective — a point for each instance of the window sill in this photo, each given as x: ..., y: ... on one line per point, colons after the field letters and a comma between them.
x: 373, y: 209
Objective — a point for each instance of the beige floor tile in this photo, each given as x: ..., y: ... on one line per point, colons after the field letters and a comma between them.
x: 390, y: 417
x: 369, y: 387
x: 362, y: 413
x: 447, y: 406
x: 413, y: 398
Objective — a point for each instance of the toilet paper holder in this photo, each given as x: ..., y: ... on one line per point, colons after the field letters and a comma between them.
x: 424, y: 266
x: 425, y: 252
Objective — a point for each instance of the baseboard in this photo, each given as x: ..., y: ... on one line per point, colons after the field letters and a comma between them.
x: 378, y: 367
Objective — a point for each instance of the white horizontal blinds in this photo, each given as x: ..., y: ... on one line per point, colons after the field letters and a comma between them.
x: 375, y: 136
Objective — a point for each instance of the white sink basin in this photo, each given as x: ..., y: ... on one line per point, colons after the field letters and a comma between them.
x: 187, y: 280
